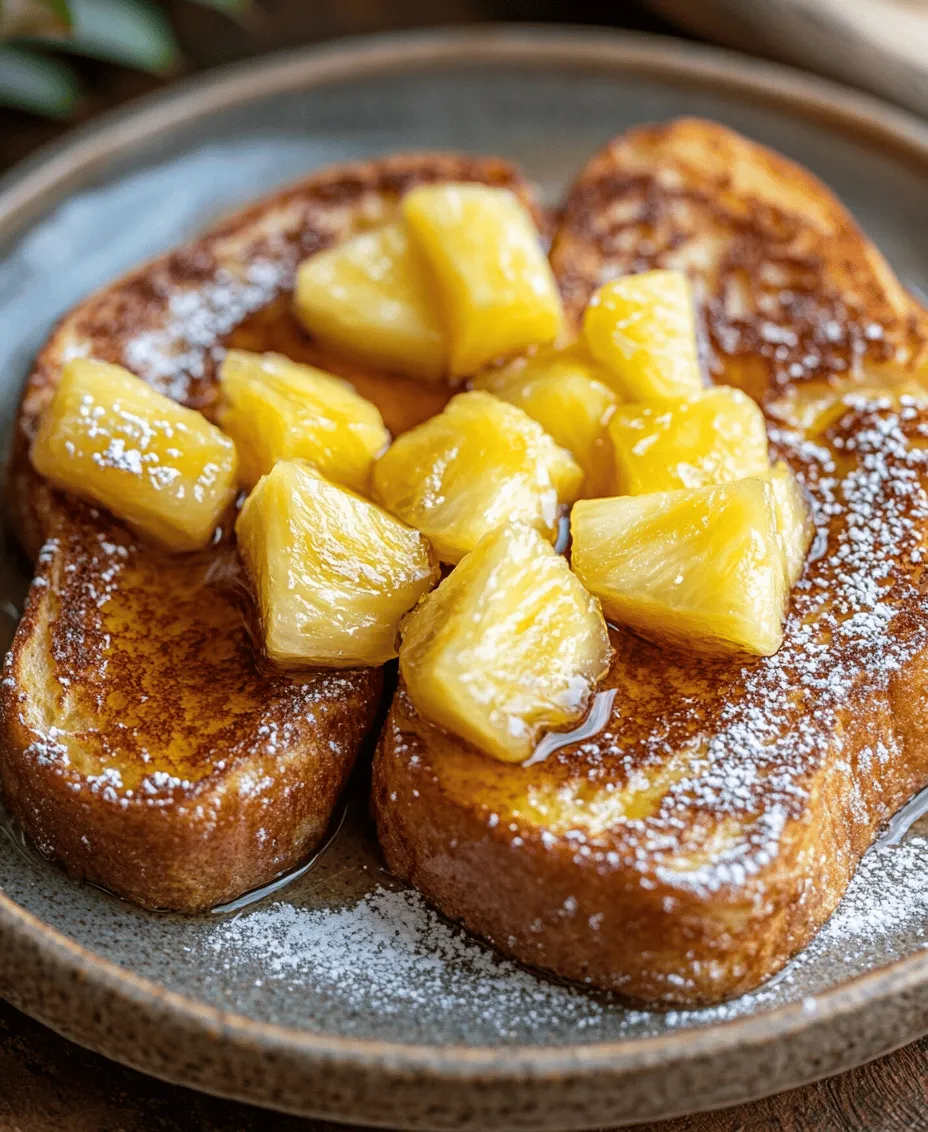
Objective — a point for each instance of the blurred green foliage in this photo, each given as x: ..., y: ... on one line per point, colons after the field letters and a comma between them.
x: 35, y: 34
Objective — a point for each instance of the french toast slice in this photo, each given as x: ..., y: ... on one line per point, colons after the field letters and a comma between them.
x: 145, y: 743
x: 683, y: 853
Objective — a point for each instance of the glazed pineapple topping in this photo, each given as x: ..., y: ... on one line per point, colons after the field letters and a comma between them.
x: 475, y: 466
x: 702, y: 539
x: 370, y: 298
x: 560, y: 388
x: 713, y: 437
x: 111, y: 439
x: 332, y: 572
x: 699, y: 568
x: 495, y: 287
x: 794, y: 519
x: 643, y: 330
x: 508, y: 646
x: 457, y: 281
x: 685, y: 533
x: 275, y: 409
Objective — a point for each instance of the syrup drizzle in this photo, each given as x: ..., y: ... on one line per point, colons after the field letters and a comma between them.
x: 782, y: 975
x: 599, y: 715
x: 286, y: 879
x: 18, y: 839
x: 900, y: 826
x: 26, y: 849
x: 898, y: 830
x: 562, y: 542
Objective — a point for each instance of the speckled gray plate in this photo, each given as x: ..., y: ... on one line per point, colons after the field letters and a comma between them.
x: 341, y: 995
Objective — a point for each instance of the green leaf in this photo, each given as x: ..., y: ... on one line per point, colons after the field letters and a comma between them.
x: 33, y: 17
x: 245, y: 12
x: 32, y: 82
x: 60, y: 8
x: 134, y: 33
x: 231, y: 7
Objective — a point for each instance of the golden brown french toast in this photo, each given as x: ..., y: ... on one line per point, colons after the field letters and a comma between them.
x: 146, y: 744
x: 686, y: 849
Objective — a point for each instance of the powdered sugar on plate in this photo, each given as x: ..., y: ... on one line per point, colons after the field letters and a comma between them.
x: 390, y: 955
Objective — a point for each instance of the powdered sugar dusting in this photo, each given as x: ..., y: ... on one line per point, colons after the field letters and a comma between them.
x: 857, y: 618
x: 390, y: 955
x: 196, y: 320
x: 883, y: 917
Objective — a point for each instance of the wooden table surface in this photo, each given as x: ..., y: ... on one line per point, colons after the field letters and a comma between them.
x: 47, y: 1084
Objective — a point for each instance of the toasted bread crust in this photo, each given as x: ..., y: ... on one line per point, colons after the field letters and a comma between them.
x: 145, y: 743
x: 701, y: 839
x: 766, y: 244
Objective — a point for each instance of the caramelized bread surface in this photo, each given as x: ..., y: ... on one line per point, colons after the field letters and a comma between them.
x: 146, y: 744
x: 684, y: 852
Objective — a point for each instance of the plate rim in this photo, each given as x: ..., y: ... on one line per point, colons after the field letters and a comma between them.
x: 47, y: 177
x: 897, y: 976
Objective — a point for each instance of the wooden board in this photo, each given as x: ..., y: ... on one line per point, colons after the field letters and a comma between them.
x: 881, y: 45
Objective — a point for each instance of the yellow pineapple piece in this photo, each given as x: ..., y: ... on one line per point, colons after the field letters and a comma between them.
x: 794, y: 519
x: 713, y: 437
x: 495, y: 286
x: 275, y: 409
x: 370, y: 298
x: 814, y: 406
x: 560, y: 390
x: 162, y: 469
x: 333, y: 573
x: 477, y: 465
x: 702, y: 568
x: 508, y: 646
x: 642, y: 328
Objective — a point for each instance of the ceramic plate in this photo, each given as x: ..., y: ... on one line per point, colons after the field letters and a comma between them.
x: 342, y: 995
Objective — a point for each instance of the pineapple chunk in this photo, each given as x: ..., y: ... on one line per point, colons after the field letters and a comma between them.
x: 814, y: 406
x: 162, y: 469
x: 702, y: 568
x: 508, y: 646
x: 370, y: 299
x: 559, y: 389
x: 275, y: 409
x: 713, y: 437
x: 495, y: 286
x: 794, y: 519
x: 643, y: 329
x: 475, y: 466
x: 333, y: 573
